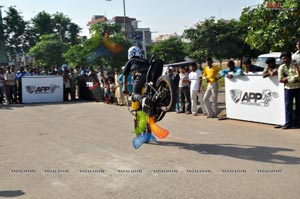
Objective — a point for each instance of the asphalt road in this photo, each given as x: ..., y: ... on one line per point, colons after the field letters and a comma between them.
x: 84, y: 151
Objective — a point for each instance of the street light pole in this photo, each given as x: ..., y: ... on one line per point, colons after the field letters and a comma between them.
x: 125, y: 28
x: 144, y: 41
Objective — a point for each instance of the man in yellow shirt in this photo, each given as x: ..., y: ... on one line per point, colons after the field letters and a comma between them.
x: 210, y: 74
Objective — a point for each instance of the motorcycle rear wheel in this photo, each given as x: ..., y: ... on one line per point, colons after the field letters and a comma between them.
x: 165, y: 86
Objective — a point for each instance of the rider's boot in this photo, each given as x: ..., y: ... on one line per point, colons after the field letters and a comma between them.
x: 138, y: 141
x: 146, y: 137
x: 149, y: 137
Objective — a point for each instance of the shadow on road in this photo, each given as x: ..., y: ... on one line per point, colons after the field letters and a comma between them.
x: 246, y: 152
x: 11, y: 194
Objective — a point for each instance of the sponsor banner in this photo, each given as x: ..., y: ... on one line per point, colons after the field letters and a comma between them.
x: 36, y: 89
x: 253, y: 98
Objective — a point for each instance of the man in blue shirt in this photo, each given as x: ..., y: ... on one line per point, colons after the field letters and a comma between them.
x: 231, y: 71
x: 19, y: 76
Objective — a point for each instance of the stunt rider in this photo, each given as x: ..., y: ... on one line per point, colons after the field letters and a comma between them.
x: 138, y: 66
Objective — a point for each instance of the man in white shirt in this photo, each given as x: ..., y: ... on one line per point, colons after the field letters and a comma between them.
x: 196, y: 89
x: 184, y: 91
x: 10, y: 78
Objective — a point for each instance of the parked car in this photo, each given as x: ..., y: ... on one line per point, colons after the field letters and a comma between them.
x: 175, y: 66
x: 261, y: 59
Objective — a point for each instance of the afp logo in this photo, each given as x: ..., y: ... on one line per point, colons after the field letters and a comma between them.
x: 41, y: 89
x: 236, y: 95
x: 253, y: 98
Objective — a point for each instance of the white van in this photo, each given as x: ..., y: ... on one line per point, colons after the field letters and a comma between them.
x: 261, y: 59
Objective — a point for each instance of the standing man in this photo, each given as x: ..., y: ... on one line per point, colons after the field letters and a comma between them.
x: 19, y: 76
x: 289, y: 75
x: 196, y: 88
x: 73, y: 83
x: 210, y: 74
x: 184, y: 91
x: 10, y: 78
x: 118, y: 91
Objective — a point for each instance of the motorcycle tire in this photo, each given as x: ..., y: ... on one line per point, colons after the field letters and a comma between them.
x: 166, y: 87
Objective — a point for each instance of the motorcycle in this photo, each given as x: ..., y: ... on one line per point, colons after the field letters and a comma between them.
x: 159, y: 99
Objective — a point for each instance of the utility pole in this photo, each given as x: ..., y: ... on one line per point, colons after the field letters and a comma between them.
x: 3, y: 58
x: 125, y: 28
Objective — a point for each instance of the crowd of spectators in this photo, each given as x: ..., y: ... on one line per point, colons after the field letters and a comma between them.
x: 76, y: 83
x: 108, y: 87
x: 190, y: 87
x: 191, y: 91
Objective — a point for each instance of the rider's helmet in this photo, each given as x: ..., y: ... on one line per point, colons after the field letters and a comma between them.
x: 134, y: 51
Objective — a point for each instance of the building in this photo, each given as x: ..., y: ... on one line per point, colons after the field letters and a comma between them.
x: 95, y: 20
x: 132, y: 31
x: 165, y: 37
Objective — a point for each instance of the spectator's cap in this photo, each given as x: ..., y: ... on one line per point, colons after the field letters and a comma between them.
x: 286, y: 54
x: 247, y: 61
x: 270, y: 60
x: 170, y: 68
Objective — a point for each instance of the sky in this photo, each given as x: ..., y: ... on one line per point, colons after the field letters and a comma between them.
x: 161, y: 16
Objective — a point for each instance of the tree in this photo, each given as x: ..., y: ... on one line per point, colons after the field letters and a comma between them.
x: 48, y: 51
x: 170, y: 50
x: 72, y: 35
x: 76, y: 55
x: 272, y: 29
x: 59, y: 24
x: 14, y: 31
x: 29, y: 38
x: 43, y: 24
x: 215, y: 38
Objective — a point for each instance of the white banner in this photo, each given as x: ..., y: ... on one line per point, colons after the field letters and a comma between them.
x: 253, y: 98
x: 37, y: 89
